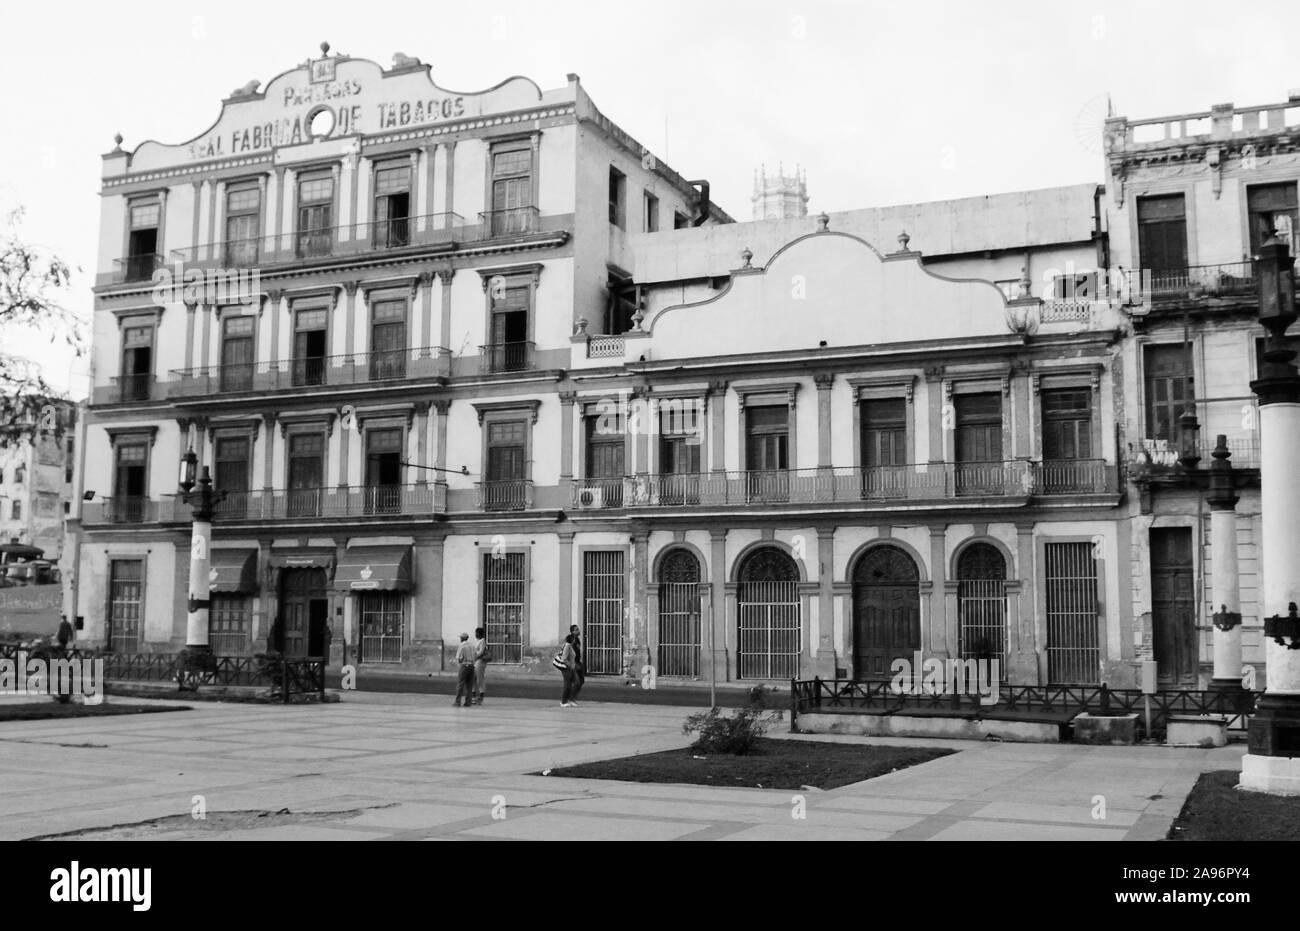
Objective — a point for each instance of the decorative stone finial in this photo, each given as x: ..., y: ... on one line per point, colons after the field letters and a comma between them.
x: 903, y: 240
x: 582, y: 326
x: 117, y: 139
x: 636, y: 321
x: 823, y: 222
x: 324, y: 48
x: 746, y: 256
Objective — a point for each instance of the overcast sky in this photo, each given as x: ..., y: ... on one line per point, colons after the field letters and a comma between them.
x: 880, y: 102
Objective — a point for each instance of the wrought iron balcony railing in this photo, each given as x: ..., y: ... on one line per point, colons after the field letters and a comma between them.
x: 333, y: 503
x: 1014, y: 478
x: 136, y: 267
x: 358, y: 368
x: 131, y: 509
x: 127, y: 389
x: 517, y: 221
x: 1231, y: 279
x: 508, y: 495
x: 279, y: 504
x: 506, y: 357
x: 350, y: 239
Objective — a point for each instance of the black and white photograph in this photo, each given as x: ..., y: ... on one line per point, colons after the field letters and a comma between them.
x: 787, y: 420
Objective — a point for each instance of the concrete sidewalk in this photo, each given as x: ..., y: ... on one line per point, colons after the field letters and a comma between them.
x: 395, y: 766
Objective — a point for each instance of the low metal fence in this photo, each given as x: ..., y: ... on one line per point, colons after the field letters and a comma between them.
x: 284, y: 677
x: 1235, y: 707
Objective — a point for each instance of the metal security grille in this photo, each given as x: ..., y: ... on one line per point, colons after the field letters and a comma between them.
x: 228, y: 632
x: 381, y: 627
x: 126, y: 591
x: 982, y: 603
x: 504, y: 590
x: 679, y: 616
x: 1073, y: 641
x: 768, y: 606
x: 604, y: 592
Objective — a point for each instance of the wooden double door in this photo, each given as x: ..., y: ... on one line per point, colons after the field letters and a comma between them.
x: 886, y: 611
x: 304, y: 613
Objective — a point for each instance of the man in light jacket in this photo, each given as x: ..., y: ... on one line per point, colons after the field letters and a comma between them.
x: 570, y: 672
x: 465, y: 674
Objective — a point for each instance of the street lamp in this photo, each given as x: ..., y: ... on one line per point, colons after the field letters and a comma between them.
x: 197, y: 657
x: 1272, y: 763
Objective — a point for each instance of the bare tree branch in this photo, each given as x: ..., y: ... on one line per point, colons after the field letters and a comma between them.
x: 32, y: 284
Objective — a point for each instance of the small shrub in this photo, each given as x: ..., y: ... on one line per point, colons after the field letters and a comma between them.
x: 736, y: 734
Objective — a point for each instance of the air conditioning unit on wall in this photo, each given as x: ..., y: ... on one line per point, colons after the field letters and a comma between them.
x: 591, y: 498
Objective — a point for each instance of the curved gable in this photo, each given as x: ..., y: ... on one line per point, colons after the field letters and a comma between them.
x: 833, y: 287
x: 364, y: 98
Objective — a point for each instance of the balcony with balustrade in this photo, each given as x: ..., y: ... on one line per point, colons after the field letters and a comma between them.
x: 1015, y: 481
x: 506, y: 495
x: 498, y: 358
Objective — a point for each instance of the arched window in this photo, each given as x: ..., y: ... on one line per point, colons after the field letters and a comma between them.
x: 768, y: 609
x: 679, y: 614
x: 982, y: 603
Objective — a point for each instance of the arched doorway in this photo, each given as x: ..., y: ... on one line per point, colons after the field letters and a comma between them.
x: 767, y: 607
x: 982, y: 604
x: 886, y: 611
x: 679, y: 615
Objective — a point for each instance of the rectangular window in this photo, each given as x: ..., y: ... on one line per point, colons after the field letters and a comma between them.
x: 504, y: 603
x: 237, y: 353
x: 680, y: 220
x: 512, y: 192
x: 1162, y: 239
x: 978, y: 444
x: 617, y: 198
x: 309, y: 338
x: 68, y: 460
x: 142, y: 240
x: 509, y: 348
x: 884, y: 432
x: 651, y: 214
x: 1067, y: 442
x: 243, y: 226
x: 1169, y: 391
x: 125, y: 597
x: 130, y: 482
x: 1073, y: 635
x: 680, y: 438
x: 504, y: 487
x: 229, y: 632
x: 388, y: 340
x: 306, y: 474
x: 315, y: 215
x: 232, y: 463
x: 384, y: 471
x: 392, y: 205
x: 16, y: 511
x: 604, y: 590
x: 767, y: 435
x: 883, y: 429
x: 1273, y: 212
x: 20, y: 474
x: 604, y: 454
x: 383, y: 615
x: 137, y: 363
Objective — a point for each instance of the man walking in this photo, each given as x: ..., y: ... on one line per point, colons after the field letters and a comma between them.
x: 579, y: 661
x: 465, y: 672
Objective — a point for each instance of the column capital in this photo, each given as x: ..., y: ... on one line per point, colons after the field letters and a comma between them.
x: 442, y: 406
x: 717, y: 387
x: 823, y: 381
x: 445, y: 275
x: 568, y: 398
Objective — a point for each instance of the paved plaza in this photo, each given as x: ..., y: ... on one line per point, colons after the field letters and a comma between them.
x: 392, y: 766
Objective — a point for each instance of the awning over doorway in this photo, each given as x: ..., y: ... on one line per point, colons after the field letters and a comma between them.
x: 233, y: 571
x: 374, y: 568
x: 301, y: 559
